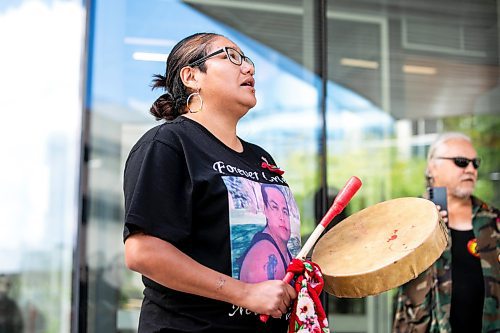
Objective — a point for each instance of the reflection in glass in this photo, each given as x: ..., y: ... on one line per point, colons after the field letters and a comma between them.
x: 40, y: 131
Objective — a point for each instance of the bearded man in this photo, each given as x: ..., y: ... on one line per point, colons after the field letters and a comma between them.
x: 460, y: 291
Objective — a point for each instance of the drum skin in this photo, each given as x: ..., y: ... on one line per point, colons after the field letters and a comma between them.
x: 380, y: 247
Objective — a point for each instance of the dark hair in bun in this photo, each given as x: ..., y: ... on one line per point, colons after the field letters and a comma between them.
x: 173, y: 103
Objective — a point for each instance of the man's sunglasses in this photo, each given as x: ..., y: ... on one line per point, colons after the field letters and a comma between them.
x: 463, y: 162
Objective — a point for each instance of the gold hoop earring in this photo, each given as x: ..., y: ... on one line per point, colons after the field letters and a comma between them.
x: 195, y: 94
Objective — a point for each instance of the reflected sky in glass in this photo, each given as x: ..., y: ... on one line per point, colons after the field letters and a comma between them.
x: 40, y: 130
x: 287, y: 94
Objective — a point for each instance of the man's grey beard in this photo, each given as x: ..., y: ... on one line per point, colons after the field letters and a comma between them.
x: 462, y: 193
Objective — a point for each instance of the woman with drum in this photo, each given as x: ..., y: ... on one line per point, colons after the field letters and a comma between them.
x: 186, y: 185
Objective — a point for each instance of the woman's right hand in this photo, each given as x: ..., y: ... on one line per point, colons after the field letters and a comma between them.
x: 271, y: 297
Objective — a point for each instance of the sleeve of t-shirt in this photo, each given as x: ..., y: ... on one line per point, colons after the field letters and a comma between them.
x: 157, y: 193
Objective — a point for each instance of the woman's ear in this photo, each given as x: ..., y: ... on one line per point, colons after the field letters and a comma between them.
x: 189, y: 77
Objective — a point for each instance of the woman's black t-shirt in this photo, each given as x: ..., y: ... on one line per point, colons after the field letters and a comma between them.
x: 174, y: 191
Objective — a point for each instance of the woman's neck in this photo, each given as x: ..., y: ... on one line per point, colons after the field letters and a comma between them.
x: 223, y: 128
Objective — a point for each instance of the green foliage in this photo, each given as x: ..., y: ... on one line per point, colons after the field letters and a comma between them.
x: 303, y: 178
x: 386, y: 169
x: 408, y: 177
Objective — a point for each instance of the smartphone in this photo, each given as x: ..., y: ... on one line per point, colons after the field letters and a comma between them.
x: 438, y: 196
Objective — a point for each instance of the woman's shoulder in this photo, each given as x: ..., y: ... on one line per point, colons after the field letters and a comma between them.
x: 257, y: 150
x: 173, y: 128
x: 167, y: 132
x: 163, y: 134
x: 252, y: 146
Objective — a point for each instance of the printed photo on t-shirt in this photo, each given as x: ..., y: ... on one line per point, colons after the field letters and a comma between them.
x: 265, y: 229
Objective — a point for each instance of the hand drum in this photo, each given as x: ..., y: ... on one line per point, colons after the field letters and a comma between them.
x: 380, y: 247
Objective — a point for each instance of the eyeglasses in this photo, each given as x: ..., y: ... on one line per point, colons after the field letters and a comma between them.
x: 463, y: 162
x: 232, y: 54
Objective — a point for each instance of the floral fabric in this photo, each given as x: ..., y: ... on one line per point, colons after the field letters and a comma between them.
x: 307, y: 313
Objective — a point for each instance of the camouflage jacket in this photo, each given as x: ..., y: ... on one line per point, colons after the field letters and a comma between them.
x: 423, y: 304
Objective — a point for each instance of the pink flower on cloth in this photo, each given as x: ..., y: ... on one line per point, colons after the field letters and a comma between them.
x: 307, y: 313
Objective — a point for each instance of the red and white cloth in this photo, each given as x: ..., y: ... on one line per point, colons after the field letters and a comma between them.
x: 307, y: 313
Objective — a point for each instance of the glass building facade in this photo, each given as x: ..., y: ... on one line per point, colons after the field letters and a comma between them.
x: 344, y: 87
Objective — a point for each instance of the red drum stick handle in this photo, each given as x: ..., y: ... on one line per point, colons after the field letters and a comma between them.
x: 341, y: 200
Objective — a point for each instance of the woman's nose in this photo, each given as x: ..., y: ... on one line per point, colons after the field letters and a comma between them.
x: 247, y: 68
